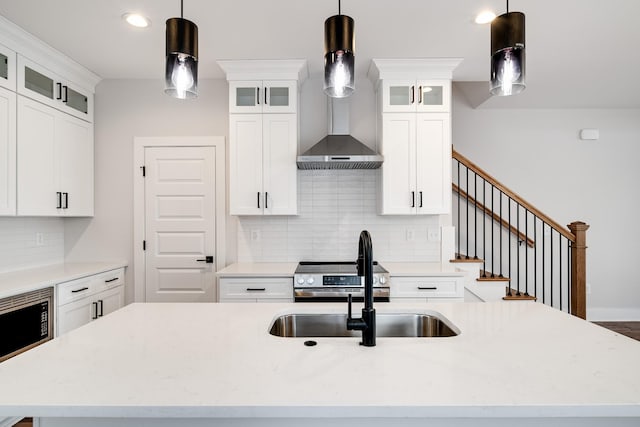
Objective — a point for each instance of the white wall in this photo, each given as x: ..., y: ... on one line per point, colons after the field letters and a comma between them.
x: 538, y: 154
x: 21, y: 247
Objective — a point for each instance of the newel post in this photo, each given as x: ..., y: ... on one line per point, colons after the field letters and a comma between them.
x: 579, y: 269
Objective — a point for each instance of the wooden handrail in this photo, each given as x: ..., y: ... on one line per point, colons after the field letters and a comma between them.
x: 521, y: 236
x: 480, y: 172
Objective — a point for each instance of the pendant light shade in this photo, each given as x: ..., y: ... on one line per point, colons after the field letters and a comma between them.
x: 507, y: 54
x: 181, y: 71
x: 339, y: 60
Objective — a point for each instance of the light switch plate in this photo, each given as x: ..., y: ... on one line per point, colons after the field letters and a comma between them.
x: 433, y: 235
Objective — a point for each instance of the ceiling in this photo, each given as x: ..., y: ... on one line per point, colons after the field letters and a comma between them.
x: 571, y: 44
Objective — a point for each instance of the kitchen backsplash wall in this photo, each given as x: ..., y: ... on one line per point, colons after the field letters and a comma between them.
x: 333, y: 207
x: 30, y: 242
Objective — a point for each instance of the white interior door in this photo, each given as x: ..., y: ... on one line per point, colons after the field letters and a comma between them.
x: 180, y: 224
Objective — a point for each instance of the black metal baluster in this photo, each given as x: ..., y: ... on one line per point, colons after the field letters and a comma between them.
x: 458, y: 256
x: 569, y: 255
x: 500, y: 228
x: 493, y: 269
x: 535, y: 256
x: 510, y: 244
x: 518, y: 249
x: 544, y: 262
x: 475, y: 219
x: 467, y: 191
x: 526, y: 251
x: 560, y: 266
x: 484, y: 230
x: 551, y: 268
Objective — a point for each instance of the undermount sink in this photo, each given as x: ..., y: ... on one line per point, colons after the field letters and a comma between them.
x: 412, y: 325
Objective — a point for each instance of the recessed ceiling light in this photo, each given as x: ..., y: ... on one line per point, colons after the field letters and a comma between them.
x: 485, y: 17
x: 136, y: 20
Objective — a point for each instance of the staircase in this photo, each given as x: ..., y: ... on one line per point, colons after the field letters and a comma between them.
x: 513, y: 250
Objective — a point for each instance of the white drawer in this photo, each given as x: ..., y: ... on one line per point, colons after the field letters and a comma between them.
x: 426, y: 287
x: 90, y: 285
x: 256, y: 289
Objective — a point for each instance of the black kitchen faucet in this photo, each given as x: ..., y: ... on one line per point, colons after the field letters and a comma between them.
x: 366, y: 323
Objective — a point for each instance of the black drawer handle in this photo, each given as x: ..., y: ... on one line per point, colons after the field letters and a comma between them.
x: 111, y: 280
x: 95, y: 310
x: 428, y: 288
x: 256, y: 289
x: 101, y: 305
x: 79, y: 290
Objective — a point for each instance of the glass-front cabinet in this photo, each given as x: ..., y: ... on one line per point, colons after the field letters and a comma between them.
x: 37, y: 82
x: 402, y: 96
x: 7, y: 68
x: 268, y: 96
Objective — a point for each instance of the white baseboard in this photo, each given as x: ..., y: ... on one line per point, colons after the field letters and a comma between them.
x: 605, y: 314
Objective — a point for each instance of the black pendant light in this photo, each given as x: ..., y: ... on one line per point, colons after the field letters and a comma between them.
x: 339, y: 61
x: 181, y: 71
x: 507, y: 54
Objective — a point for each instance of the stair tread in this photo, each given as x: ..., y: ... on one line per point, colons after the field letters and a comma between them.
x: 487, y: 276
x: 514, y: 295
x: 466, y: 258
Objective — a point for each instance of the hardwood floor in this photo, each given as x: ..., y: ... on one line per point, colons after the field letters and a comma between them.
x: 630, y: 329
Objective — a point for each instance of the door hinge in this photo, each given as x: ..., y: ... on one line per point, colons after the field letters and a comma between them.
x: 144, y: 171
x: 144, y: 245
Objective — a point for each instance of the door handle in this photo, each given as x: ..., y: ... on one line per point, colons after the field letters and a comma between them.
x: 66, y: 200
x: 413, y: 199
x: 258, y: 96
x: 265, y: 95
x: 258, y: 200
x: 207, y: 259
x: 266, y: 200
x: 256, y: 289
x: 420, y: 198
x: 59, y: 86
x: 428, y: 288
x: 101, y: 304
x: 95, y: 310
x: 59, y: 196
x: 65, y: 93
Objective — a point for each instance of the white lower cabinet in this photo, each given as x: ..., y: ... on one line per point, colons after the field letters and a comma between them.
x: 83, y: 300
x: 427, y: 288
x: 7, y: 152
x: 252, y: 289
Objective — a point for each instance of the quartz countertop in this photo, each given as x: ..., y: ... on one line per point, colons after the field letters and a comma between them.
x: 259, y: 269
x: 519, y: 359
x: 16, y: 282
x: 421, y: 269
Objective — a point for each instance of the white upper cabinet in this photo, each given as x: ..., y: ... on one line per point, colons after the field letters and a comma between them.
x: 414, y: 134
x: 7, y: 68
x: 7, y: 152
x: 263, y: 135
x: 37, y: 82
x: 276, y: 96
x: 401, y: 96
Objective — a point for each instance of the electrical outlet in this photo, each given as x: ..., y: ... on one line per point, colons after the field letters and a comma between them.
x: 433, y: 234
x: 255, y: 235
x: 39, y: 239
x: 411, y: 235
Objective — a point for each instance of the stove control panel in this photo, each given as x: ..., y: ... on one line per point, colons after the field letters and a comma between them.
x: 337, y: 280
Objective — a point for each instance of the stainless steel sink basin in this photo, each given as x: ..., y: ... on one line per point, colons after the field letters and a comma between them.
x: 414, y: 325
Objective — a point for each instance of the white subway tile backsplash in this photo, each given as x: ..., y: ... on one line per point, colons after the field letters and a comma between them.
x: 334, y: 206
x: 19, y: 245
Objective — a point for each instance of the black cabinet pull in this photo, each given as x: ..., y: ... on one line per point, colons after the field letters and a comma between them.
x: 428, y: 288
x: 64, y: 93
x: 265, y: 95
x: 413, y: 94
x: 101, y: 305
x: 266, y: 200
x: 256, y: 289
x: 75, y: 291
x: 59, y: 86
x: 258, y: 200
x: 258, y: 96
x: 66, y: 200
x: 95, y: 310
x: 413, y: 199
x: 208, y: 259
x: 421, y: 199
x: 111, y: 280
x: 59, y: 196
x: 420, y: 97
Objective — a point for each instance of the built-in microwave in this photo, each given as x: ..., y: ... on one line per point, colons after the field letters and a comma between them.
x: 26, y: 320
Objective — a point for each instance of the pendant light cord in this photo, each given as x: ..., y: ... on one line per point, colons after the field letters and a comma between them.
x: 507, y: 6
x: 339, y: 8
x: 182, y: 8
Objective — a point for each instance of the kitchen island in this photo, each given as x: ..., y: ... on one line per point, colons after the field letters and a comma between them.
x: 518, y: 363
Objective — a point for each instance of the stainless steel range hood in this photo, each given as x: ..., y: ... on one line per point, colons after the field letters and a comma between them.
x: 339, y: 150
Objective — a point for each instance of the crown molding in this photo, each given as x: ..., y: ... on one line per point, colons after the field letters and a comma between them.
x: 412, y: 68
x: 265, y: 69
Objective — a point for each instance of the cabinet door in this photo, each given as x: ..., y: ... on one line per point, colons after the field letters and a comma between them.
x: 280, y: 147
x: 280, y: 96
x: 74, y: 151
x: 433, y: 96
x: 433, y: 171
x: 398, y: 96
x: 110, y: 300
x: 7, y: 152
x: 7, y: 68
x: 37, y: 181
x: 75, y: 314
x: 398, y: 181
x: 246, y: 196
x: 246, y: 96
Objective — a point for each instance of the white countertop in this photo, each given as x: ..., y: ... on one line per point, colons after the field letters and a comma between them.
x: 218, y: 360
x: 421, y: 269
x: 17, y: 282
x: 259, y: 269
